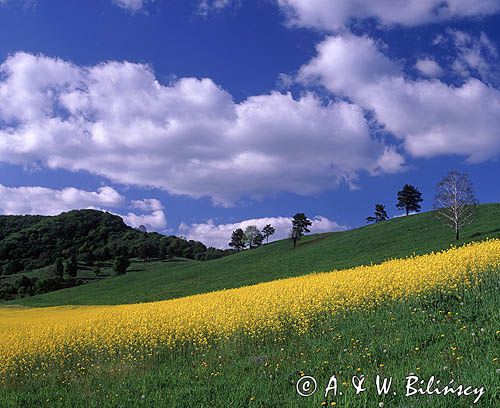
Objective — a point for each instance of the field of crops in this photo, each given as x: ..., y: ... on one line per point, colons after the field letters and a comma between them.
x: 32, y: 340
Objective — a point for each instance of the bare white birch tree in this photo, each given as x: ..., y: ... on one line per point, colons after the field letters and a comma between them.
x: 455, y: 201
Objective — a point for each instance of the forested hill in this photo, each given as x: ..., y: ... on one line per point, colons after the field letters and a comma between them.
x: 13, y: 223
x: 32, y: 242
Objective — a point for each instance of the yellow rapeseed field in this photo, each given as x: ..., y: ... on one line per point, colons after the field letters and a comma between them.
x: 33, y: 339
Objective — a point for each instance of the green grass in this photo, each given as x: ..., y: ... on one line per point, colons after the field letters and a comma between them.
x: 396, y: 238
x: 452, y: 336
x: 86, y: 272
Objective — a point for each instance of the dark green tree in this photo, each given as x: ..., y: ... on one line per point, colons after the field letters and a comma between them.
x: 409, y: 199
x: 58, y: 268
x: 258, y: 239
x: 163, y: 251
x: 142, y: 251
x: 267, y: 231
x: 148, y: 250
x: 198, y: 247
x: 121, y: 265
x: 105, y: 254
x: 300, y: 226
x: 72, y: 266
x: 380, y: 214
x: 237, y: 240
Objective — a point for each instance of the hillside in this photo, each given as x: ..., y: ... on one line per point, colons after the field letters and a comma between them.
x: 432, y: 316
x: 30, y: 245
x: 396, y: 238
x: 10, y: 224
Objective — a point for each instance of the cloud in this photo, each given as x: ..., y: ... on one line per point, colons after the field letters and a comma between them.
x: 154, y: 221
x: 390, y: 162
x: 333, y: 15
x: 429, y: 116
x: 219, y: 235
x: 148, y: 204
x: 476, y: 55
x: 22, y: 3
x: 207, y: 6
x: 188, y: 137
x: 130, y: 5
x: 46, y: 201
x: 429, y: 68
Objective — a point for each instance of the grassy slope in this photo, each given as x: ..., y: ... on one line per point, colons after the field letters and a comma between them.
x: 374, y: 243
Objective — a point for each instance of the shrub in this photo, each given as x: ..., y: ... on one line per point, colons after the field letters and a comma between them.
x: 121, y: 265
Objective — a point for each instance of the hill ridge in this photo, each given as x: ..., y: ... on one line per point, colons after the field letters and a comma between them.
x: 396, y: 238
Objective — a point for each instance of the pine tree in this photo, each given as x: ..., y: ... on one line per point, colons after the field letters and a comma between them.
x: 409, y: 199
x: 380, y: 214
x: 300, y: 224
x: 267, y: 231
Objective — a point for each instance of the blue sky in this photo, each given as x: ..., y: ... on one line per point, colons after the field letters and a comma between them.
x: 195, y: 117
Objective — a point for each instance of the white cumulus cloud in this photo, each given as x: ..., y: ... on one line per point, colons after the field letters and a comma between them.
x: 431, y: 117
x: 219, y: 235
x: 188, y: 137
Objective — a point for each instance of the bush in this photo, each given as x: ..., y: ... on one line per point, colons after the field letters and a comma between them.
x: 121, y: 265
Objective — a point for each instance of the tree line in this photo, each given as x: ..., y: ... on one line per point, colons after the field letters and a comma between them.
x: 252, y: 237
